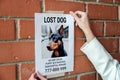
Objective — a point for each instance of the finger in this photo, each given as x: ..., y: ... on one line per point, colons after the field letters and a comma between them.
x: 40, y: 76
x: 76, y: 24
x: 74, y: 15
x: 32, y: 77
x: 80, y: 12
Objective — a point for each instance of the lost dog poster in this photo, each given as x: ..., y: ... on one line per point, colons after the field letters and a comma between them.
x: 54, y: 43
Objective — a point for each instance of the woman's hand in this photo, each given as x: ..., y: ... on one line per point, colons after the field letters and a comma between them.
x: 82, y: 21
x: 36, y: 76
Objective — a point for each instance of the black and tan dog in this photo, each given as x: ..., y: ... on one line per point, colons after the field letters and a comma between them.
x: 56, y: 44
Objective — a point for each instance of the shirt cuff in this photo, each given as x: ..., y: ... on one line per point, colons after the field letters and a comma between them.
x: 96, y: 52
x: 86, y: 45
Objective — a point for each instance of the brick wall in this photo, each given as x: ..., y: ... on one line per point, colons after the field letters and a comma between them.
x: 17, y: 35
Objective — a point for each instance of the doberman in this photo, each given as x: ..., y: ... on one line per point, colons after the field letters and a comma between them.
x: 56, y: 44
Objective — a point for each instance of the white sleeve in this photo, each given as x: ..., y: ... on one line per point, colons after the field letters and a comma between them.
x: 106, y: 66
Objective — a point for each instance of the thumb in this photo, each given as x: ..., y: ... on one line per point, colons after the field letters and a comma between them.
x: 75, y: 16
x: 40, y: 76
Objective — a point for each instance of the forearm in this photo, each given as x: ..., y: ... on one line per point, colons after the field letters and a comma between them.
x: 88, y: 34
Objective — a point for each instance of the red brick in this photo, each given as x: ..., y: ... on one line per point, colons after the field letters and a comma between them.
x: 108, y: 1
x: 112, y: 28
x: 110, y: 44
x: 97, y: 28
x: 91, y: 76
x: 26, y: 70
x: 66, y: 6
x: 78, y: 45
x: 7, y: 29
x: 82, y: 64
x: 22, y: 8
x: 78, y: 32
x: 16, y: 51
x: 8, y: 72
x: 116, y: 56
x: 99, y: 77
x: 117, y: 1
x: 70, y: 78
x: 102, y: 11
x: 27, y: 29
x: 88, y: 0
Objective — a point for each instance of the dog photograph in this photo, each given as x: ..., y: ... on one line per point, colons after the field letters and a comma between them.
x: 54, y: 41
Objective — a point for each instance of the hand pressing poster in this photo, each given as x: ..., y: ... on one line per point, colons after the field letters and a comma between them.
x: 54, y: 43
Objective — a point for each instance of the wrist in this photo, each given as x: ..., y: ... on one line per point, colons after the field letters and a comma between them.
x: 86, y: 30
x: 88, y: 34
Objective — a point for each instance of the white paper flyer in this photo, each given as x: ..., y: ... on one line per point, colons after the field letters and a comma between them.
x: 54, y: 43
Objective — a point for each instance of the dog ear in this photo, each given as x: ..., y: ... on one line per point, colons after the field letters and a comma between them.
x: 51, y: 31
x: 61, y: 27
